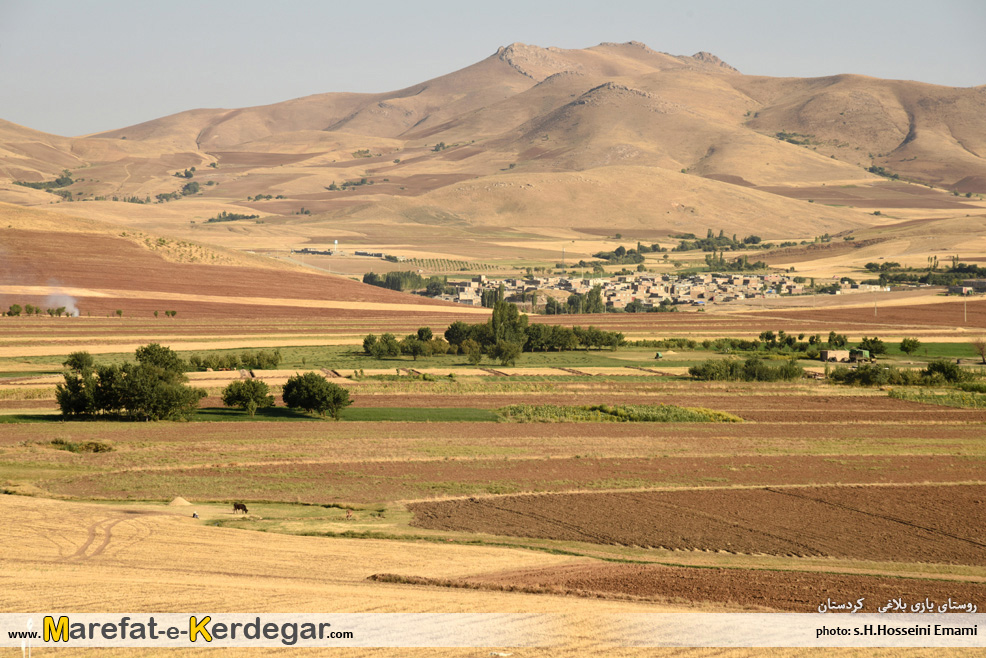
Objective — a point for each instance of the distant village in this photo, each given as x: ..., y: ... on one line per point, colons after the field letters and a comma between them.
x: 641, y: 291
x: 647, y: 291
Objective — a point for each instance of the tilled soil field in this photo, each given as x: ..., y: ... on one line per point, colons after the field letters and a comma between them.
x: 787, y: 591
x: 914, y: 524
x: 580, y: 517
x: 971, y: 314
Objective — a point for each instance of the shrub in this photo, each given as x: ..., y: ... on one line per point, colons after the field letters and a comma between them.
x: 81, y: 446
x: 753, y: 369
x: 941, y: 370
x: 910, y: 345
x: 314, y: 394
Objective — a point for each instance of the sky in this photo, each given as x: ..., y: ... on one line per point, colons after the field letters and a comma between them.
x: 85, y: 66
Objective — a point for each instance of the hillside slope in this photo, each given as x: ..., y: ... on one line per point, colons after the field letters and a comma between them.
x: 657, y: 132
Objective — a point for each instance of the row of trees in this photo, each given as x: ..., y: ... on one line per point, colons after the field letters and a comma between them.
x: 28, y: 309
x: 154, y: 388
x: 620, y: 256
x: 401, y: 281
x: 712, y: 242
x: 503, y: 338
x: 259, y: 360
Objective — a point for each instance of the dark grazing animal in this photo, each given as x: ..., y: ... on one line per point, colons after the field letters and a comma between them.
x: 239, y: 507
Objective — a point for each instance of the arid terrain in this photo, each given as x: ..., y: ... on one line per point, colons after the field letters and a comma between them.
x: 426, y: 495
x: 536, y: 154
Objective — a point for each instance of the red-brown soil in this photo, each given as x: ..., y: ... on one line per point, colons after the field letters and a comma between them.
x: 968, y: 314
x: 897, y: 523
x: 108, y: 263
x: 788, y: 591
x: 328, y: 480
x: 99, y: 261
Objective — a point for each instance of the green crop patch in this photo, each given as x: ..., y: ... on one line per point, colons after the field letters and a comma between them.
x: 604, y: 413
x: 419, y: 414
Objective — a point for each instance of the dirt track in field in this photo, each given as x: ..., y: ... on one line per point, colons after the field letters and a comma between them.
x: 926, y: 524
x: 787, y: 591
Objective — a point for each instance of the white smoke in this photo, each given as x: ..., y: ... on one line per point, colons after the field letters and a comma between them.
x: 59, y: 299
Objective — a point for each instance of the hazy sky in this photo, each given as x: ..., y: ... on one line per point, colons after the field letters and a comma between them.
x: 85, y: 66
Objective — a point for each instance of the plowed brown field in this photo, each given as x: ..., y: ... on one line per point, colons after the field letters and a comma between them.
x: 969, y: 314
x: 787, y: 591
x: 936, y: 524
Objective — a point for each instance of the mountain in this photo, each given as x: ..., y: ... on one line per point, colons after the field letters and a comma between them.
x: 530, y: 139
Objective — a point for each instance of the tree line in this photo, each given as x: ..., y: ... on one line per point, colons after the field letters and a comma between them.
x: 502, y: 338
x: 155, y: 388
x: 401, y: 281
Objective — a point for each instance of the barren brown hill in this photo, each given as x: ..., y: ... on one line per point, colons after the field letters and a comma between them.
x: 617, y: 136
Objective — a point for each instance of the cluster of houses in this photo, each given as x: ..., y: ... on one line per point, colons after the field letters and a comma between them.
x: 651, y: 290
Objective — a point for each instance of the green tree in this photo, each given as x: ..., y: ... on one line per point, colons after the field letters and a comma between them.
x: 425, y: 334
x: 15, y: 309
x: 506, y: 352
x: 368, y: 342
x: 507, y: 324
x: 314, y: 394
x: 386, y: 346
x: 413, y: 346
x: 472, y: 350
x: 162, y: 357
x: 594, y: 301
x: 873, y: 345
x: 77, y: 396
x: 80, y: 362
x: 248, y: 394
x: 457, y: 332
x: 910, y: 345
x: 149, y: 392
